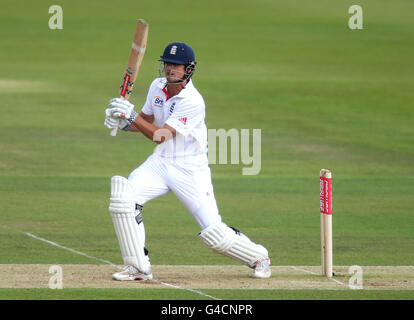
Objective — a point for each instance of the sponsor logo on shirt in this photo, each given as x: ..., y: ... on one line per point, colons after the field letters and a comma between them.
x: 158, y: 101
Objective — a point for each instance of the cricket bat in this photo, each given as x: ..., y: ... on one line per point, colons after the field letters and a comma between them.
x: 134, y: 62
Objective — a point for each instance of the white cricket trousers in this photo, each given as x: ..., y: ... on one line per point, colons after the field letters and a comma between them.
x: 189, y: 179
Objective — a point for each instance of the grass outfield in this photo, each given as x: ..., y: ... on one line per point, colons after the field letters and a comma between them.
x: 167, y: 294
x: 323, y: 96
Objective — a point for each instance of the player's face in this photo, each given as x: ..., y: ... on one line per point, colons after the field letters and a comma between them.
x: 174, y: 72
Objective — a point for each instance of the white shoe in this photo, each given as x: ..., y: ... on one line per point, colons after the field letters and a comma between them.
x: 262, y: 268
x: 130, y: 273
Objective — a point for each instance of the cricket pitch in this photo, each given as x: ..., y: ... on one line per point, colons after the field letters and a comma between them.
x: 207, y: 277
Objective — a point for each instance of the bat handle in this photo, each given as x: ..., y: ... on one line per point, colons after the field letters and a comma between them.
x: 113, y: 132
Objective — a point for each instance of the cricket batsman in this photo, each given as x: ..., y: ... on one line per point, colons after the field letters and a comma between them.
x: 173, y: 116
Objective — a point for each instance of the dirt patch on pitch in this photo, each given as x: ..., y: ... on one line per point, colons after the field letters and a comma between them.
x: 203, y: 277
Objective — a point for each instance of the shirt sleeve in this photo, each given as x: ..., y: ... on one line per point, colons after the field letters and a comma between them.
x: 186, y: 116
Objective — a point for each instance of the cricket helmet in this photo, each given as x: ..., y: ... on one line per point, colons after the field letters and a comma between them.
x: 178, y: 53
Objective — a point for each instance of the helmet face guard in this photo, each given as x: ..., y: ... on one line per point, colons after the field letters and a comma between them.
x: 179, y: 53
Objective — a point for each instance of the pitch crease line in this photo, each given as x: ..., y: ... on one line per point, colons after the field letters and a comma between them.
x: 69, y: 249
x: 311, y: 272
x: 112, y: 264
x: 303, y: 270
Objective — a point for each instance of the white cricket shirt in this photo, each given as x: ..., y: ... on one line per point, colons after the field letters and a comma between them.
x: 184, y: 112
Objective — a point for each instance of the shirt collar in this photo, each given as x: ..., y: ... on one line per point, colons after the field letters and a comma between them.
x: 183, y: 93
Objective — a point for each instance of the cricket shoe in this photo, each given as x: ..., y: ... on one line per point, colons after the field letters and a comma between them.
x: 130, y: 273
x: 262, y: 268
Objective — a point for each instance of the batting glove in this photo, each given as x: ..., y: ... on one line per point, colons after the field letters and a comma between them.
x: 120, y: 108
x: 111, y: 122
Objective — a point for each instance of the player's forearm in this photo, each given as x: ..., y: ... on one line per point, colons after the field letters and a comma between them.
x: 151, y: 131
x: 147, y: 128
x: 146, y: 117
x: 134, y: 128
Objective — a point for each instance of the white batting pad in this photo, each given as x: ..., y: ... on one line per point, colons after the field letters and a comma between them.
x: 224, y: 240
x: 122, y: 208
